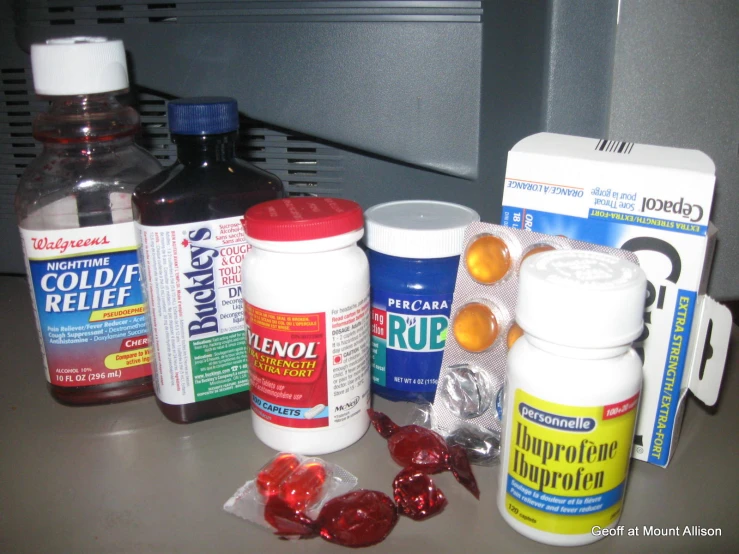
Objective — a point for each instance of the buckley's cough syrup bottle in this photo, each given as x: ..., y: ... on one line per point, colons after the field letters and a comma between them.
x: 192, y: 247
x: 74, y: 210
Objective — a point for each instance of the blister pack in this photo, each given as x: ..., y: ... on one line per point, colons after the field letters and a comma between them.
x: 305, y: 484
x: 482, y: 445
x: 482, y: 327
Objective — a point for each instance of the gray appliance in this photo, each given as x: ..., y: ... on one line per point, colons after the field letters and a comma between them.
x: 381, y: 100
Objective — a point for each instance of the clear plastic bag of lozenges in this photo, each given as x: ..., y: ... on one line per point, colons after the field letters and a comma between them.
x: 482, y: 328
x: 303, y: 483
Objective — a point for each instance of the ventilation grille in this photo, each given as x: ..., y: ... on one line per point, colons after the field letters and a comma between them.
x: 18, y: 106
x: 154, y: 131
x: 102, y: 12
x: 305, y: 166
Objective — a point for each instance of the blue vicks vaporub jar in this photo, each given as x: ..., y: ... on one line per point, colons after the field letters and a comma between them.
x: 413, y: 248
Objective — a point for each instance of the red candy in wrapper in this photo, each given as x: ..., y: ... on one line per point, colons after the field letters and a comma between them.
x: 420, y: 448
x: 359, y: 518
x: 290, y: 487
x: 424, y: 450
x: 460, y: 466
x: 384, y: 425
x: 287, y: 522
x: 274, y: 473
x: 301, y: 497
x: 416, y: 494
x: 304, y: 486
x: 356, y: 519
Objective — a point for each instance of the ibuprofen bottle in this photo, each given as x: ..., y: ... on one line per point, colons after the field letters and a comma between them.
x: 571, y: 396
x: 74, y: 210
x: 192, y: 245
x: 414, y: 248
x: 306, y: 298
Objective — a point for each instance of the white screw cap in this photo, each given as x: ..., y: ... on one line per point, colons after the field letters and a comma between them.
x: 79, y: 65
x: 581, y: 299
x: 418, y: 229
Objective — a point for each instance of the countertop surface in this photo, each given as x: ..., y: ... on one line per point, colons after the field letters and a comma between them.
x: 121, y: 478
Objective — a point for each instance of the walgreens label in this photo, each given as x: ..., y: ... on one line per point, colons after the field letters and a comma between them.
x: 86, y: 288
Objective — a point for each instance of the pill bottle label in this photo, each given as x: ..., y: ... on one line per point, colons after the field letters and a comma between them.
x: 308, y: 370
x: 86, y: 287
x: 567, y: 465
x: 408, y: 337
x: 192, y: 280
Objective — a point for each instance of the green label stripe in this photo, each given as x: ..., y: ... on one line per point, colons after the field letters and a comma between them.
x: 379, y: 364
x: 219, y: 365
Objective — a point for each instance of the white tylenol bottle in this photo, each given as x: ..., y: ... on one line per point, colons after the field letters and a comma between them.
x: 306, y: 305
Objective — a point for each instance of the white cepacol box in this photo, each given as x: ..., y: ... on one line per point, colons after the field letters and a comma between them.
x: 655, y: 202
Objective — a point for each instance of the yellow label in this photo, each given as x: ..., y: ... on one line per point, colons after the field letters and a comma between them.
x: 567, y: 465
x: 118, y: 313
x: 128, y: 358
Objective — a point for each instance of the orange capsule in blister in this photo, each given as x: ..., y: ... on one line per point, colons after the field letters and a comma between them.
x: 271, y: 476
x: 304, y: 486
x: 514, y: 333
x: 488, y: 259
x: 536, y: 249
x: 475, y: 327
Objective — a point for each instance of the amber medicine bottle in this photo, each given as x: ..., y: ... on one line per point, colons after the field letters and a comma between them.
x: 192, y: 245
x: 571, y: 396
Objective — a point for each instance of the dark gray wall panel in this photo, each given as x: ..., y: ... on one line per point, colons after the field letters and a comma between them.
x: 409, y: 91
x: 579, y: 66
x: 17, y: 146
x: 379, y: 100
x: 676, y: 83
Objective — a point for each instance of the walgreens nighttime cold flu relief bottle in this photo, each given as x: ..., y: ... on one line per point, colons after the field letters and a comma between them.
x: 74, y: 210
x: 189, y: 218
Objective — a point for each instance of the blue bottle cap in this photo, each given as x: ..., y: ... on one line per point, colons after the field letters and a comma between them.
x: 205, y: 115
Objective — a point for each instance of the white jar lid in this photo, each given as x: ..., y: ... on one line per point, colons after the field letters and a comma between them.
x: 581, y: 299
x: 418, y: 229
x: 78, y: 65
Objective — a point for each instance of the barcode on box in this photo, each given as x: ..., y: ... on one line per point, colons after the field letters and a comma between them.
x: 614, y: 146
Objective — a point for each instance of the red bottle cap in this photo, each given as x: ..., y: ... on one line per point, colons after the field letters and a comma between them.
x: 302, y: 218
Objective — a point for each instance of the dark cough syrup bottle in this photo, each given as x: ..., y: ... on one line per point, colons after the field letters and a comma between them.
x: 192, y: 244
x: 74, y: 211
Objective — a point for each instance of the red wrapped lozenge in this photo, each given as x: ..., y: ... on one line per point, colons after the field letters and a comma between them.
x: 271, y: 476
x: 459, y: 464
x: 420, y: 448
x: 356, y: 519
x: 416, y: 494
x: 304, y: 486
x: 383, y: 424
x: 287, y: 521
x: 424, y: 450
